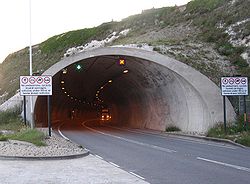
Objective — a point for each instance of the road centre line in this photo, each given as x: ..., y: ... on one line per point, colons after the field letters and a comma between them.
x: 182, y: 139
x: 225, y: 164
x: 132, y: 141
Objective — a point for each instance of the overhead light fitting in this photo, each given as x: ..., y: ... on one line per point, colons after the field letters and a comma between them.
x: 125, y: 71
x: 64, y: 71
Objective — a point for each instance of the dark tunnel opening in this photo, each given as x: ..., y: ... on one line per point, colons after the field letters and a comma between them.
x: 82, y: 89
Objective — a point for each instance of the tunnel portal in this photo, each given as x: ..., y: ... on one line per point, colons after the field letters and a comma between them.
x: 149, y: 90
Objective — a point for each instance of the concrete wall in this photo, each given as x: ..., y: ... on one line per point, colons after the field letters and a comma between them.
x: 172, y: 94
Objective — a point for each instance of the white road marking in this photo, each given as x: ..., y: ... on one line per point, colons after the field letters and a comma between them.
x: 225, y: 164
x: 62, y: 133
x: 99, y: 157
x: 181, y: 139
x: 114, y: 164
x: 132, y: 141
x: 138, y: 176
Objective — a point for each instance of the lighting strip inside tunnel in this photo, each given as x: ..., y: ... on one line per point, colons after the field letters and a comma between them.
x: 98, y: 101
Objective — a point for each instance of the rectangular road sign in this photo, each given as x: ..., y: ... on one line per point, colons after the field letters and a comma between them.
x: 35, y: 85
x: 234, y: 86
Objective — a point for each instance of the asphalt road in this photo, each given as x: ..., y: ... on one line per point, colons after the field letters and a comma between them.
x: 163, y: 159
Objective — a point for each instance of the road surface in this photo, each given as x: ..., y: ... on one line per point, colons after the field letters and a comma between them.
x: 162, y: 159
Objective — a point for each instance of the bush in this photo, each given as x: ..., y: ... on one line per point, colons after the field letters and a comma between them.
x: 235, y: 132
x: 172, y: 129
x: 11, y: 120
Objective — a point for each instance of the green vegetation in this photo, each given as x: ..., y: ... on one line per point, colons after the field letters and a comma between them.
x: 173, y: 129
x: 235, y: 132
x: 201, y: 6
x: 208, y: 18
x: 11, y: 121
x: 28, y: 135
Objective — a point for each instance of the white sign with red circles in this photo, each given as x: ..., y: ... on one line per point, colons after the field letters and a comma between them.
x: 35, y: 85
x: 234, y: 86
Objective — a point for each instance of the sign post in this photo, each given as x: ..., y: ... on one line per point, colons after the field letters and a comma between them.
x: 37, y: 86
x: 233, y: 86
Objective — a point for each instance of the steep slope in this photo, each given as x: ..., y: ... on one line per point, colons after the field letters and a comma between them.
x: 211, y: 36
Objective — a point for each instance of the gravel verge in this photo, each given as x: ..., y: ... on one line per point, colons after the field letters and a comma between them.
x: 57, y: 148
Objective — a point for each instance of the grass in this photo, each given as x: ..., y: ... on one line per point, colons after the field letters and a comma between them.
x: 235, y: 132
x: 28, y: 135
x: 11, y: 121
x: 172, y: 129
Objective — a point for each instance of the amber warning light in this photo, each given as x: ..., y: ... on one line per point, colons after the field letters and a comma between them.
x: 122, y: 62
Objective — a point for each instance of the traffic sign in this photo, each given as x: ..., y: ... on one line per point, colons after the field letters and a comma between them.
x: 35, y: 85
x: 234, y: 86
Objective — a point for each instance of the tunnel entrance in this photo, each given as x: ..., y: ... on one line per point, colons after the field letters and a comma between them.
x: 149, y: 91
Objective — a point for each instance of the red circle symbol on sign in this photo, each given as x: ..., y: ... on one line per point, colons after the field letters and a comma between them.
x: 231, y: 80
x: 24, y: 80
x: 225, y: 81
x: 243, y: 81
x: 237, y: 80
x: 39, y: 80
x: 32, y: 80
x: 46, y: 80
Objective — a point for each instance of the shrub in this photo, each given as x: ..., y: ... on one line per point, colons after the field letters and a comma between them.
x: 172, y: 129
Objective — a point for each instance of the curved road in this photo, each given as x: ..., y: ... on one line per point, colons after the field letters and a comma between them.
x: 161, y: 159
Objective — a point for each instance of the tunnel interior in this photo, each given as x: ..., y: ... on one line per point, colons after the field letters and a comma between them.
x: 140, y: 93
x: 134, y: 92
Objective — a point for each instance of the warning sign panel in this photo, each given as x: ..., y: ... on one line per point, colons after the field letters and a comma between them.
x: 35, y: 85
x: 234, y: 86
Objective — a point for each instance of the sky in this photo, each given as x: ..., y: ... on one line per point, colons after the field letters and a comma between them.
x: 46, y: 18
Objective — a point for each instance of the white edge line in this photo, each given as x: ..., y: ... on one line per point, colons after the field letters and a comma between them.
x: 62, y: 133
x: 99, y: 157
x: 114, y: 164
x: 138, y: 176
x: 225, y: 164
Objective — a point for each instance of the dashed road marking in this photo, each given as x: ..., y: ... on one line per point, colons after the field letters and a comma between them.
x: 225, y: 164
x: 132, y: 141
x: 181, y: 139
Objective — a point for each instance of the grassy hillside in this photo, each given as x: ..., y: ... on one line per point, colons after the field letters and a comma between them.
x: 209, y: 35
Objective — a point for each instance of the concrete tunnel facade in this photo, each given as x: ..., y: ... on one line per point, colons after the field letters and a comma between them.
x: 157, y: 92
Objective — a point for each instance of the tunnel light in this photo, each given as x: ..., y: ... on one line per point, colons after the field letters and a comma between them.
x: 65, y: 92
x: 62, y: 82
x: 110, y: 81
x: 63, y: 88
x: 102, y: 87
x: 125, y: 71
x: 64, y: 71
x: 68, y: 95
x: 71, y: 98
x: 98, y: 92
